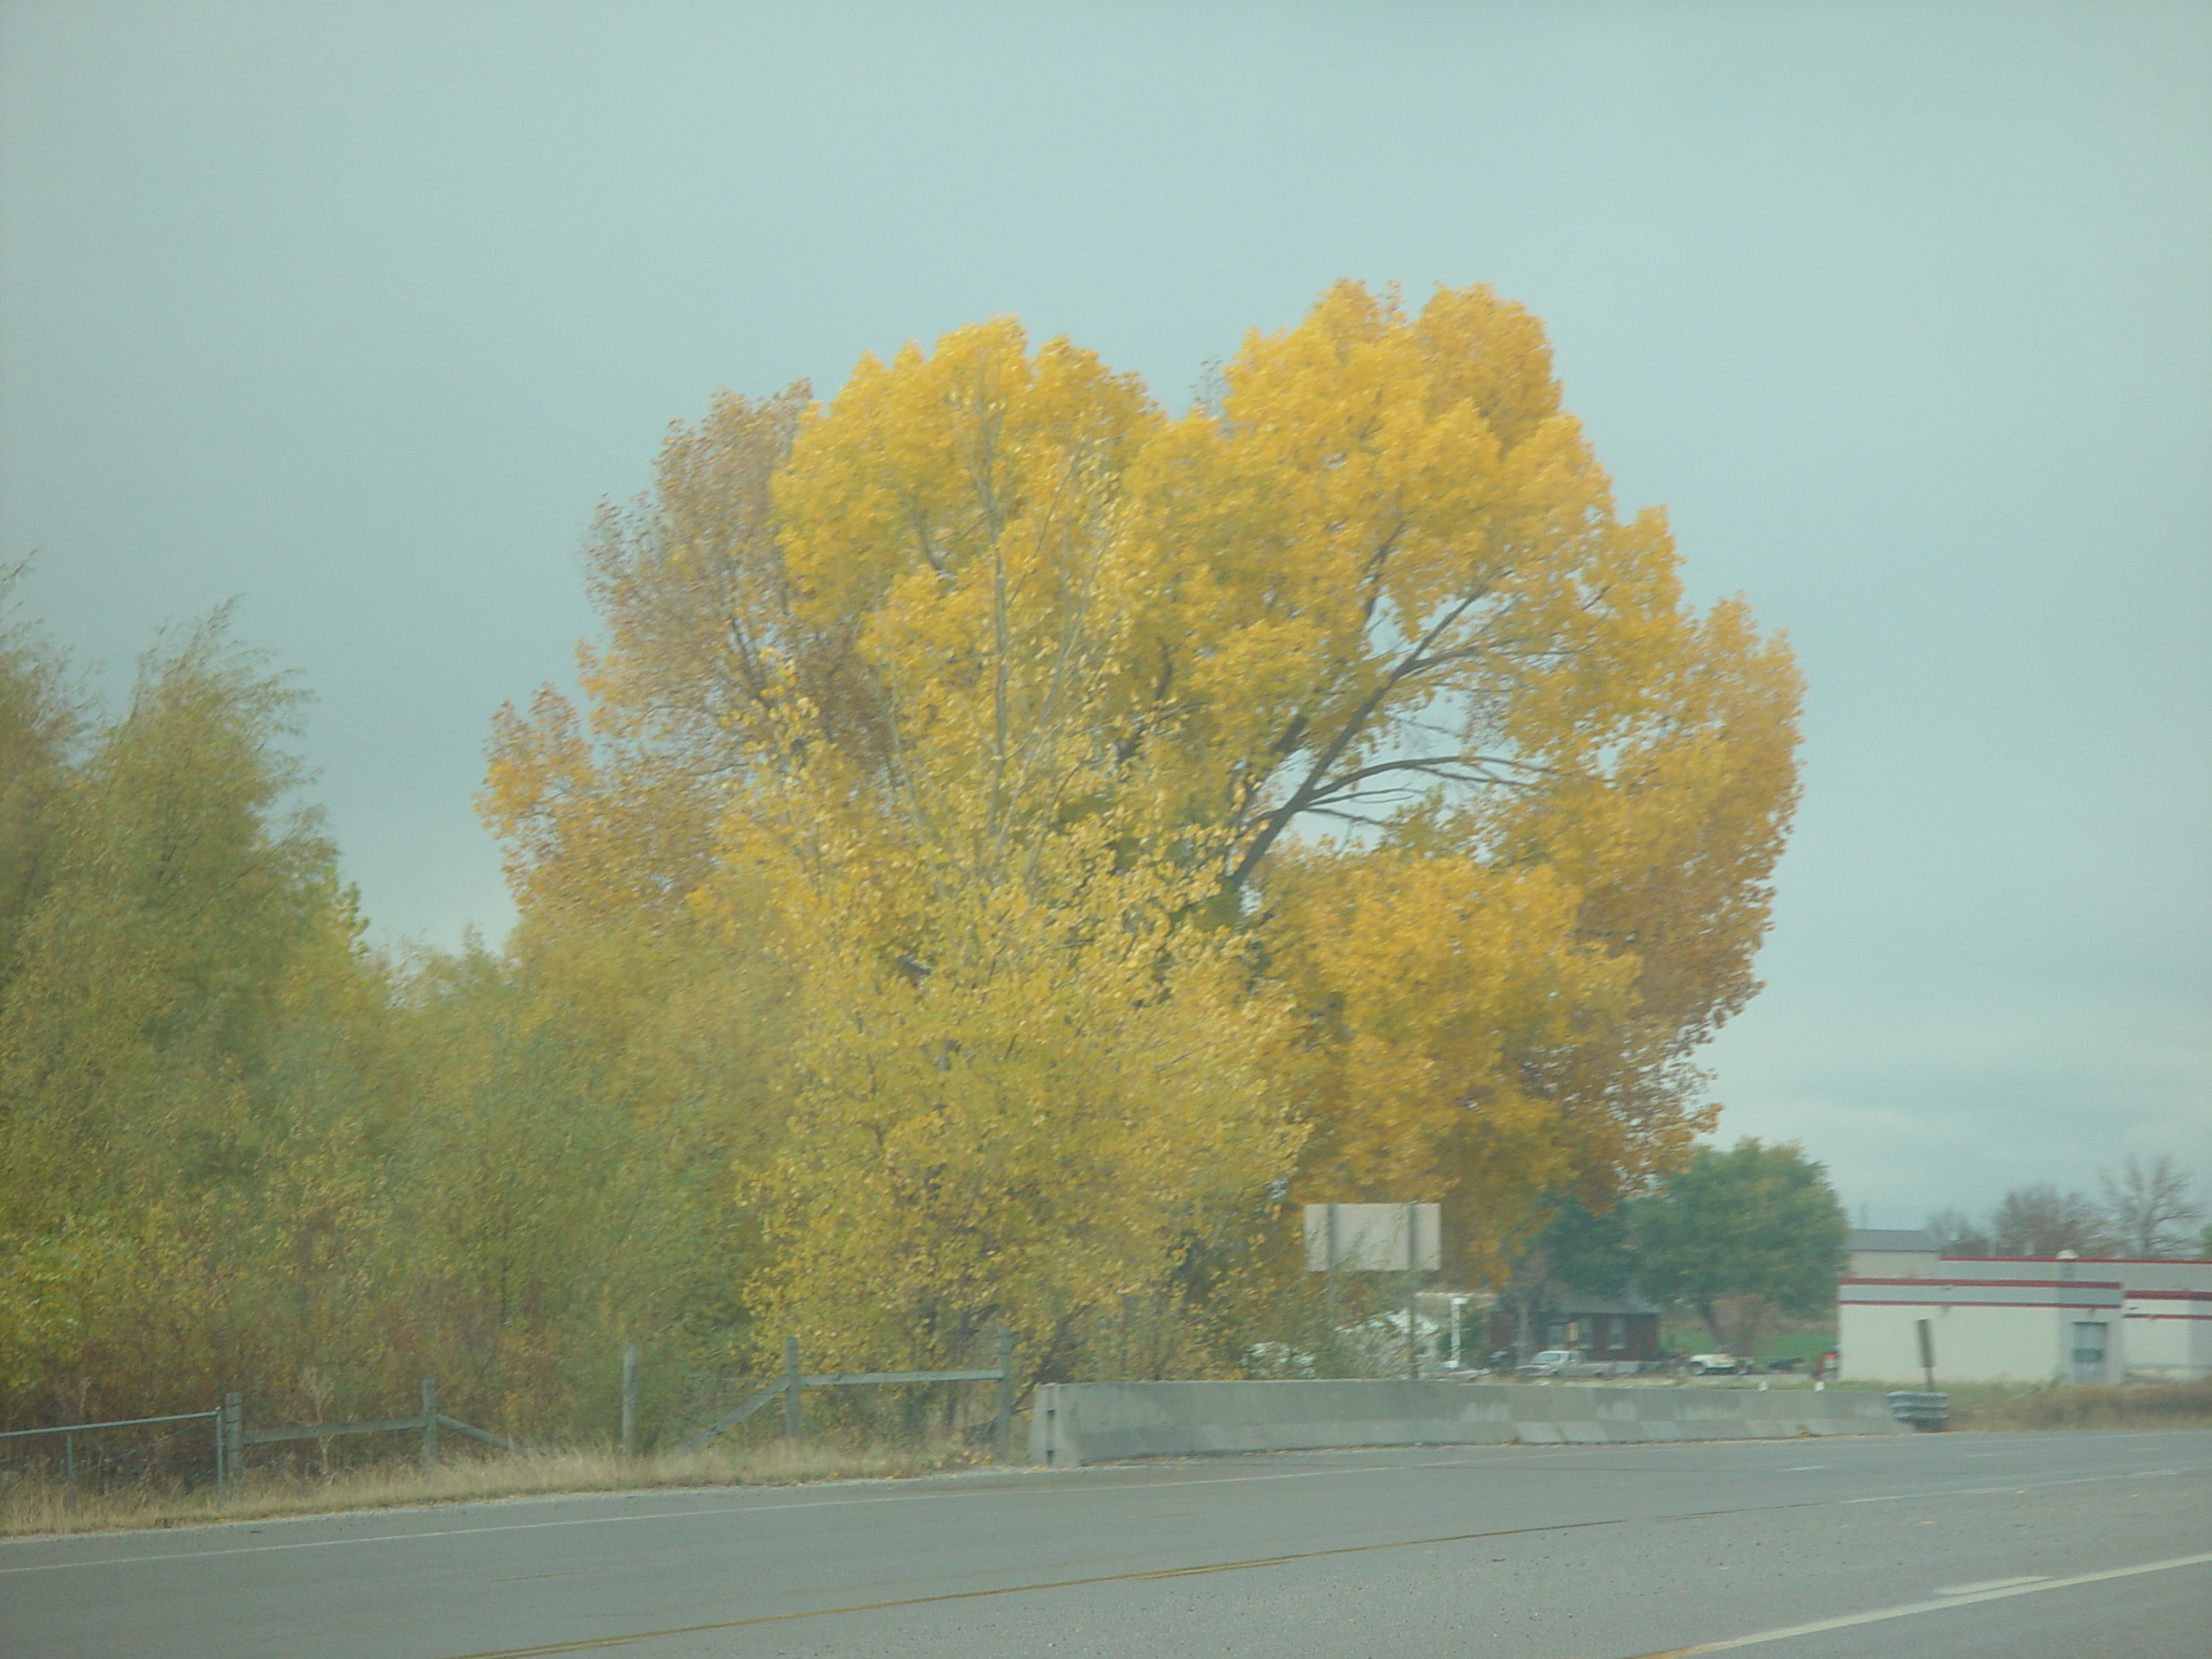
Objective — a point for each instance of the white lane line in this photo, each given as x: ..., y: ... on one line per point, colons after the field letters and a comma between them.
x: 1803, y: 1468
x: 2010, y: 1487
x: 1989, y: 1584
x: 1910, y: 1609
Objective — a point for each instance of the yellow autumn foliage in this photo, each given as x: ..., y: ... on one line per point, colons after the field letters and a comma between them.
x: 1015, y: 843
x: 1322, y: 794
x: 1045, y: 1119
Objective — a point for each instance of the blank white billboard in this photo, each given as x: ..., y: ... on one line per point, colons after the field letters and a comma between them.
x: 1374, y: 1237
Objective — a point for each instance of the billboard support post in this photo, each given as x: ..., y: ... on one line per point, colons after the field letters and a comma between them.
x: 1405, y: 1238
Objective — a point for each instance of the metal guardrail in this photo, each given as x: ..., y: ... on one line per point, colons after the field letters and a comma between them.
x: 1923, y: 1410
x: 788, y: 1387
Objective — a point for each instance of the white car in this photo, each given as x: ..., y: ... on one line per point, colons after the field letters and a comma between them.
x: 1699, y: 1365
x: 1564, y: 1362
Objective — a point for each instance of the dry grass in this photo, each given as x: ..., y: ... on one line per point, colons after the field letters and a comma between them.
x: 2129, y: 1405
x: 29, y: 1508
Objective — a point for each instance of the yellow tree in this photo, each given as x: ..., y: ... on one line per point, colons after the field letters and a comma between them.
x: 1348, y: 701
x: 1061, y: 1118
x: 1027, y: 1092
x: 1403, y: 605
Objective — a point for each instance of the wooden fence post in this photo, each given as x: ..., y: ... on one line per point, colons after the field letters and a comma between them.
x: 234, y: 1439
x: 629, y: 1399
x: 1002, y: 1424
x: 429, y: 1424
x: 791, y: 1389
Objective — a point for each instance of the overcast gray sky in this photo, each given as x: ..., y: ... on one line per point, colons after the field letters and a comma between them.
x: 1905, y: 312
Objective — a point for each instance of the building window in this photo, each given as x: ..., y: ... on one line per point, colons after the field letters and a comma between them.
x: 1616, y: 1335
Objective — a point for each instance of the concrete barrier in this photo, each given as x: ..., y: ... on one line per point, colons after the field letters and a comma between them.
x: 1075, y: 1423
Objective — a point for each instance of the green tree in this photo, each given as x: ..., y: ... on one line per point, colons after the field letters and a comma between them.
x: 184, y: 963
x: 553, y: 1205
x: 1586, y: 1249
x: 38, y: 723
x: 152, y: 971
x: 1578, y: 1249
x: 1739, y: 1236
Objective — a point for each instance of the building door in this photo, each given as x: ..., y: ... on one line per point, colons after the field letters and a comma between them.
x: 2089, y: 1353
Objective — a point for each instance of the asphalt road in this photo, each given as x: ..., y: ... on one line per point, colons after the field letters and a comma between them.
x: 1939, y: 1545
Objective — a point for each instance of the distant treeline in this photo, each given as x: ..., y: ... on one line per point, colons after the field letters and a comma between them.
x: 2145, y: 1208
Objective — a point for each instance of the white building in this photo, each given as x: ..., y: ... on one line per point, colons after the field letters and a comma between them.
x: 2169, y: 1303
x: 1983, y: 1330
x: 2166, y: 1317
x: 2136, y: 1272
x: 2170, y: 1333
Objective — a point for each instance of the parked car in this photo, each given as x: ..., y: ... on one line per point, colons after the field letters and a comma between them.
x: 1564, y: 1362
x: 1699, y: 1365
